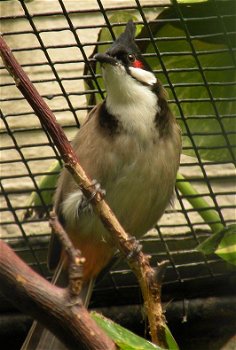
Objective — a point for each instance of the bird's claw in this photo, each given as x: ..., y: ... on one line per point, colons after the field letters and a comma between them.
x: 85, y: 203
x: 137, y: 247
x: 97, y: 189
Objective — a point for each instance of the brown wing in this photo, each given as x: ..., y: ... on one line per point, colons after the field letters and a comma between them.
x: 65, y: 185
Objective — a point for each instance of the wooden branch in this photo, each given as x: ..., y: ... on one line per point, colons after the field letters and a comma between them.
x: 52, y: 306
x: 139, y: 263
x: 75, y: 259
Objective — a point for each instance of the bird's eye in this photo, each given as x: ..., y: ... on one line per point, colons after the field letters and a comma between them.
x: 131, y: 57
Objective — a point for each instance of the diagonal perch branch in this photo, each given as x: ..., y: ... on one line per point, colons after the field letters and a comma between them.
x: 151, y: 288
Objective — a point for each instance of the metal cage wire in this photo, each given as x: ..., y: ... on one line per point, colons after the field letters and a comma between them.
x: 53, y: 43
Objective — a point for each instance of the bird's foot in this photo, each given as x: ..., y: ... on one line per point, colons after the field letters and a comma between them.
x: 136, y: 248
x: 85, y: 202
x: 97, y: 189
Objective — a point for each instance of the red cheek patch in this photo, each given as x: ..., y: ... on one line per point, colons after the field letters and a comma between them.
x: 137, y: 64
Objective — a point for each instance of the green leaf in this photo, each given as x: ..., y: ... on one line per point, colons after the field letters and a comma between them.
x: 125, y: 339
x: 222, y: 243
x: 210, y: 216
x: 172, y: 345
x: 227, y: 247
x: 46, y: 187
x: 207, y: 94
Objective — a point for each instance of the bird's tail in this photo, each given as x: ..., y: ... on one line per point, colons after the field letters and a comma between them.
x: 39, y: 338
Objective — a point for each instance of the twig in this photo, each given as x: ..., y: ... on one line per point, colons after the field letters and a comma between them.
x: 75, y: 259
x: 150, y: 286
x: 49, y: 304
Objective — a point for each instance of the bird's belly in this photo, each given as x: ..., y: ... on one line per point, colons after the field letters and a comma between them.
x: 138, y: 193
x: 137, y: 196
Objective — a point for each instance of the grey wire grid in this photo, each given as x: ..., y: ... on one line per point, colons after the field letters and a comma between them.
x: 53, y: 43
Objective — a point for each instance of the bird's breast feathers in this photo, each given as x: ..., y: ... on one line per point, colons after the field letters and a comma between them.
x: 138, y: 177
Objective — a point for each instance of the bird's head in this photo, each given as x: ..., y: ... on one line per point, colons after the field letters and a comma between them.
x: 123, y: 66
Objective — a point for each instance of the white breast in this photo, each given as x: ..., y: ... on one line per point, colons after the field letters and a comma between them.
x: 133, y: 104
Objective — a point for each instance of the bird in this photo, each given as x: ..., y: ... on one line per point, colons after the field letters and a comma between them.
x: 130, y: 144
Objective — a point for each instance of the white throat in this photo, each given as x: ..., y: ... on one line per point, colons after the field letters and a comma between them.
x: 133, y: 103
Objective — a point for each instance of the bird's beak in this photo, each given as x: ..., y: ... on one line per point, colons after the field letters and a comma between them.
x: 105, y: 58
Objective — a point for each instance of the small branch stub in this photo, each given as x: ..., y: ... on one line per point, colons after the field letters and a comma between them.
x: 75, y: 259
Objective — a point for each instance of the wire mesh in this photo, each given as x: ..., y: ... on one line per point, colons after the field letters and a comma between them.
x: 53, y: 41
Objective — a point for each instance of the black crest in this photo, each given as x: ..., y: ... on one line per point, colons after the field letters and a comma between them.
x: 125, y: 43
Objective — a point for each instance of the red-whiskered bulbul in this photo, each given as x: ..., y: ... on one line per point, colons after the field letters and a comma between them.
x: 131, y: 144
